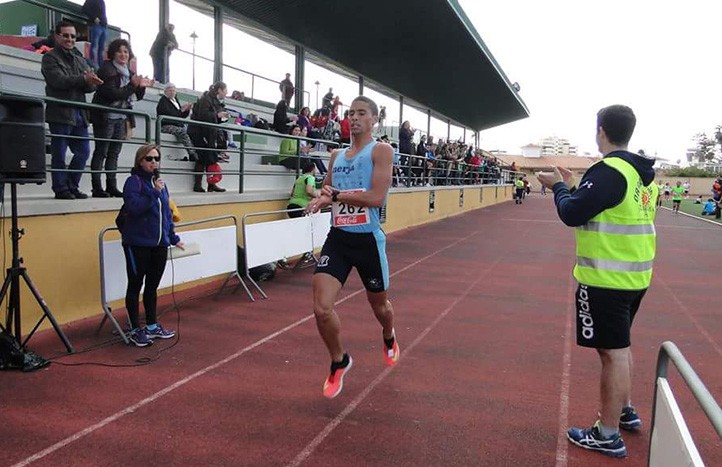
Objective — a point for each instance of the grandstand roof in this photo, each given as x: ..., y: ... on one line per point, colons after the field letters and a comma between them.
x: 546, y: 162
x: 433, y: 56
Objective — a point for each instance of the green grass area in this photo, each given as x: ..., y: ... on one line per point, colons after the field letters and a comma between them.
x: 689, y: 207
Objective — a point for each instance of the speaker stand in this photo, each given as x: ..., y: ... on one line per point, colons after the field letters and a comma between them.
x: 12, y: 283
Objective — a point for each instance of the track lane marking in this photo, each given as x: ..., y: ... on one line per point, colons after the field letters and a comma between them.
x: 130, y: 409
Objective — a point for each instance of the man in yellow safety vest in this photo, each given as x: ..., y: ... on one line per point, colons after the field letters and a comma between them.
x: 613, y: 210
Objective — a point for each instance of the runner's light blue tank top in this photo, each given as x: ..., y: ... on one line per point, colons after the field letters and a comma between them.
x: 355, y: 173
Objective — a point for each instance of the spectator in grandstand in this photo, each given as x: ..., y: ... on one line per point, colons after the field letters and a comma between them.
x: 289, y: 151
x: 67, y: 76
x: 210, y: 109
x: 615, y: 252
x: 94, y: 10
x: 406, y: 137
x: 165, y: 42
x: 146, y: 207
x: 120, y: 86
x: 45, y: 45
x: 169, y: 105
x: 327, y: 99
x: 345, y: 129
x: 281, y: 121
x: 709, y: 207
x: 334, y: 108
x: 238, y: 95
x: 304, y: 119
x: 304, y: 189
x: 287, y: 89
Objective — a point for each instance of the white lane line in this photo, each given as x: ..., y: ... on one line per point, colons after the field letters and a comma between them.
x: 691, y: 317
x: 106, y: 421
x: 308, y: 450
x: 562, y: 443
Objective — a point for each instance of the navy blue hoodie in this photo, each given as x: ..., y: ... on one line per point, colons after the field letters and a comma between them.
x: 149, y: 220
x: 602, y: 187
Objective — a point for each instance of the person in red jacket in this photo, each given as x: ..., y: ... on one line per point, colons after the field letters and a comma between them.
x: 345, y: 129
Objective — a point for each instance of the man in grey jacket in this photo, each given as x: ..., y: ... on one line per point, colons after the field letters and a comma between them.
x: 67, y: 76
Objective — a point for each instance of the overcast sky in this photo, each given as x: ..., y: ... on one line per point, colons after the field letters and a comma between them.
x: 570, y: 57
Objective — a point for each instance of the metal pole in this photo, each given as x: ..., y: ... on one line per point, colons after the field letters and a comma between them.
x: 194, y: 36
x: 218, y: 44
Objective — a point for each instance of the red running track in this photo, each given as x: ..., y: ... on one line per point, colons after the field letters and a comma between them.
x: 489, y: 372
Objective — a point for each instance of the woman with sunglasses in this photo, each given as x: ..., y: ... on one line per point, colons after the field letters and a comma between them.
x: 147, y: 233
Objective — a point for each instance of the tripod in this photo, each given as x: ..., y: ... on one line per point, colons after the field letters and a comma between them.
x: 12, y: 283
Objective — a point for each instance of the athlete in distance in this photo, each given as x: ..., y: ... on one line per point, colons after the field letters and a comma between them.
x: 356, y: 187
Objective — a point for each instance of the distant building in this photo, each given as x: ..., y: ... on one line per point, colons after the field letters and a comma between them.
x: 531, y: 150
x: 554, y: 146
x: 534, y: 164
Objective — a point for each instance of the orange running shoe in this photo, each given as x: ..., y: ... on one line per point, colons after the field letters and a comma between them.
x: 391, y: 355
x: 334, y: 383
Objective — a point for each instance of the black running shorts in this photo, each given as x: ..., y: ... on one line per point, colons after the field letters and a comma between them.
x: 364, y: 251
x: 605, y: 316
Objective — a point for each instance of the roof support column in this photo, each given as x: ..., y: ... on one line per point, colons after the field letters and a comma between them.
x: 401, y: 112
x: 448, y: 130
x: 163, y: 14
x: 300, y: 78
x: 428, y: 123
x: 163, y: 20
x: 217, y: 44
x: 360, y: 85
x: 464, y: 134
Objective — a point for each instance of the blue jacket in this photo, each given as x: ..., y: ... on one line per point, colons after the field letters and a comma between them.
x: 601, y: 187
x: 149, y: 220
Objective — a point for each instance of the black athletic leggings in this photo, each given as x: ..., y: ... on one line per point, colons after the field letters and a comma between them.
x: 149, y: 263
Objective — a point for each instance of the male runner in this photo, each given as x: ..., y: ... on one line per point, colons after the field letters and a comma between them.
x: 356, y: 186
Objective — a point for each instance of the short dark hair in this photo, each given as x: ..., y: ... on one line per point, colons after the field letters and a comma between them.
x: 618, y: 122
x: 372, y: 105
x: 115, y: 46
x: 307, y: 166
x: 63, y: 24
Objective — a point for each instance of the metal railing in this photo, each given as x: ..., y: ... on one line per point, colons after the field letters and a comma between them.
x: 73, y: 14
x: 266, y: 98
x: 409, y: 170
x: 669, y: 351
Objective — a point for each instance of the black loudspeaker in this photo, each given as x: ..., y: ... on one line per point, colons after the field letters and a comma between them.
x: 22, y: 140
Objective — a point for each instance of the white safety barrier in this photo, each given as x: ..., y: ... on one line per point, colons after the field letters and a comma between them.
x: 671, y: 442
x: 211, y: 252
x: 268, y: 242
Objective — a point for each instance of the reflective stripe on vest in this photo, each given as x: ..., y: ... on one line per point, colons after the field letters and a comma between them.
x: 627, y: 266
x: 641, y: 229
x: 616, y: 249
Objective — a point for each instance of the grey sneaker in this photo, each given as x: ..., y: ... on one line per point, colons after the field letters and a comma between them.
x: 159, y: 333
x: 140, y: 338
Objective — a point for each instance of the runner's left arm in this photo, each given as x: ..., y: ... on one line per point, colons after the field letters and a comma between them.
x: 382, y: 157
